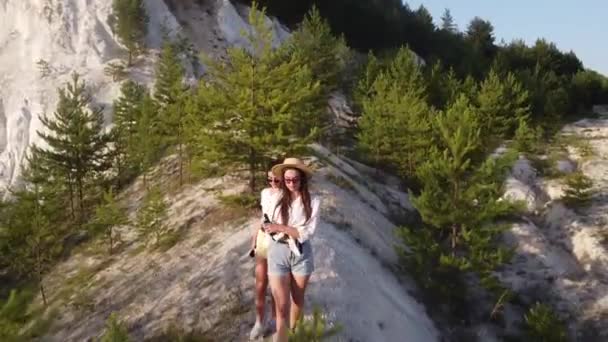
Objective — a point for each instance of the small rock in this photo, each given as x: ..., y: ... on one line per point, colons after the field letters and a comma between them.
x: 565, y: 166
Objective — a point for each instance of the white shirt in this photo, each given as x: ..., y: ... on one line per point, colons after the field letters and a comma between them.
x: 268, y: 200
x: 297, y: 216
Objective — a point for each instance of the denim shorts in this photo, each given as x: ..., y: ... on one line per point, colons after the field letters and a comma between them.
x: 282, y: 261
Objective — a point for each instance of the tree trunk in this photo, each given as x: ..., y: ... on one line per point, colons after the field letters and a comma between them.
x: 71, y: 191
x: 251, y: 171
x: 80, y: 200
x: 189, y: 157
x: 454, y: 238
x: 39, y: 273
x: 455, y: 226
x: 42, y: 292
x: 180, y: 160
x: 110, y: 239
x: 251, y: 151
x: 145, y: 182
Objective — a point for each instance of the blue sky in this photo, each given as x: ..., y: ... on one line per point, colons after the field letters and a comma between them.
x: 580, y: 26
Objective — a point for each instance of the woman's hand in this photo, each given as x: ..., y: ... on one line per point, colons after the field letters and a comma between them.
x: 273, y: 228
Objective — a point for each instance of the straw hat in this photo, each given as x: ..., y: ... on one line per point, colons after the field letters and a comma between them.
x: 291, y: 163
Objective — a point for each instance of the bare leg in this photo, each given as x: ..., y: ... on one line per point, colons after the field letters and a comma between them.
x: 280, y: 286
x: 261, y: 283
x: 298, y: 287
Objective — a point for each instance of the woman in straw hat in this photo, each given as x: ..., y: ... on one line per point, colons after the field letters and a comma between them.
x: 259, y: 249
x: 295, y: 215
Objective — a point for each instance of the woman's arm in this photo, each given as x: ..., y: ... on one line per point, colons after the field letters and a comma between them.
x: 280, y: 228
x: 303, y: 232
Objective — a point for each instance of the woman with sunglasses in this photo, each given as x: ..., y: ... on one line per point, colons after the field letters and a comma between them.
x: 259, y: 249
x: 295, y: 214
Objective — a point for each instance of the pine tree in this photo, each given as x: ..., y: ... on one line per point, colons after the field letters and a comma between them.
x: 527, y: 138
x: 578, y: 190
x: 458, y: 203
x: 259, y: 105
x: 169, y: 86
x: 171, y: 94
x: 78, y: 147
x: 503, y: 102
x: 395, y: 124
x: 13, y: 314
x: 127, y: 113
x: 31, y: 226
x: 129, y: 22
x: 480, y: 36
x: 447, y: 22
x: 109, y: 215
x: 364, y: 88
x: 444, y: 87
x: 147, y: 147
x: 470, y: 88
x: 325, y: 54
x: 152, y: 215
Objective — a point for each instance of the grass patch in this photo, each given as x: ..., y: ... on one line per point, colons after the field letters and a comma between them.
x: 83, y: 301
x: 340, y: 223
x: 316, y: 329
x: 233, y: 309
x: 174, y: 333
x: 341, y: 182
x: 202, y: 240
x: 547, y: 165
x: 580, y: 144
x: 246, y: 201
x: 169, y: 240
x: 137, y: 250
x: 544, y: 166
x: 542, y: 324
x: 92, y: 247
x: 81, y: 281
x: 40, y: 325
x: 21, y: 319
x: 224, y: 215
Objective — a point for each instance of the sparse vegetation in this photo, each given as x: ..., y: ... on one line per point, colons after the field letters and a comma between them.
x: 175, y: 333
x: 578, y: 190
x: 342, y: 182
x: 581, y: 145
x: 152, y: 216
x: 129, y: 21
x: 543, y: 325
x: 170, y: 239
x: 117, y: 70
x: 44, y: 68
x: 431, y: 124
x: 314, y: 330
x: 18, y: 322
x: 115, y: 330
x: 242, y: 200
x: 528, y: 139
x: 108, y: 216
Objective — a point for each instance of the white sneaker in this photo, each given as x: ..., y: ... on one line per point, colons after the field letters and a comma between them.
x: 257, y: 331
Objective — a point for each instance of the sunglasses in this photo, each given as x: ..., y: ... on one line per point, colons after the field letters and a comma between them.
x: 274, y: 180
x: 292, y: 180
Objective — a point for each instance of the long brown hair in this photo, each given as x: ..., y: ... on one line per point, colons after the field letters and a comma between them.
x: 286, y: 198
